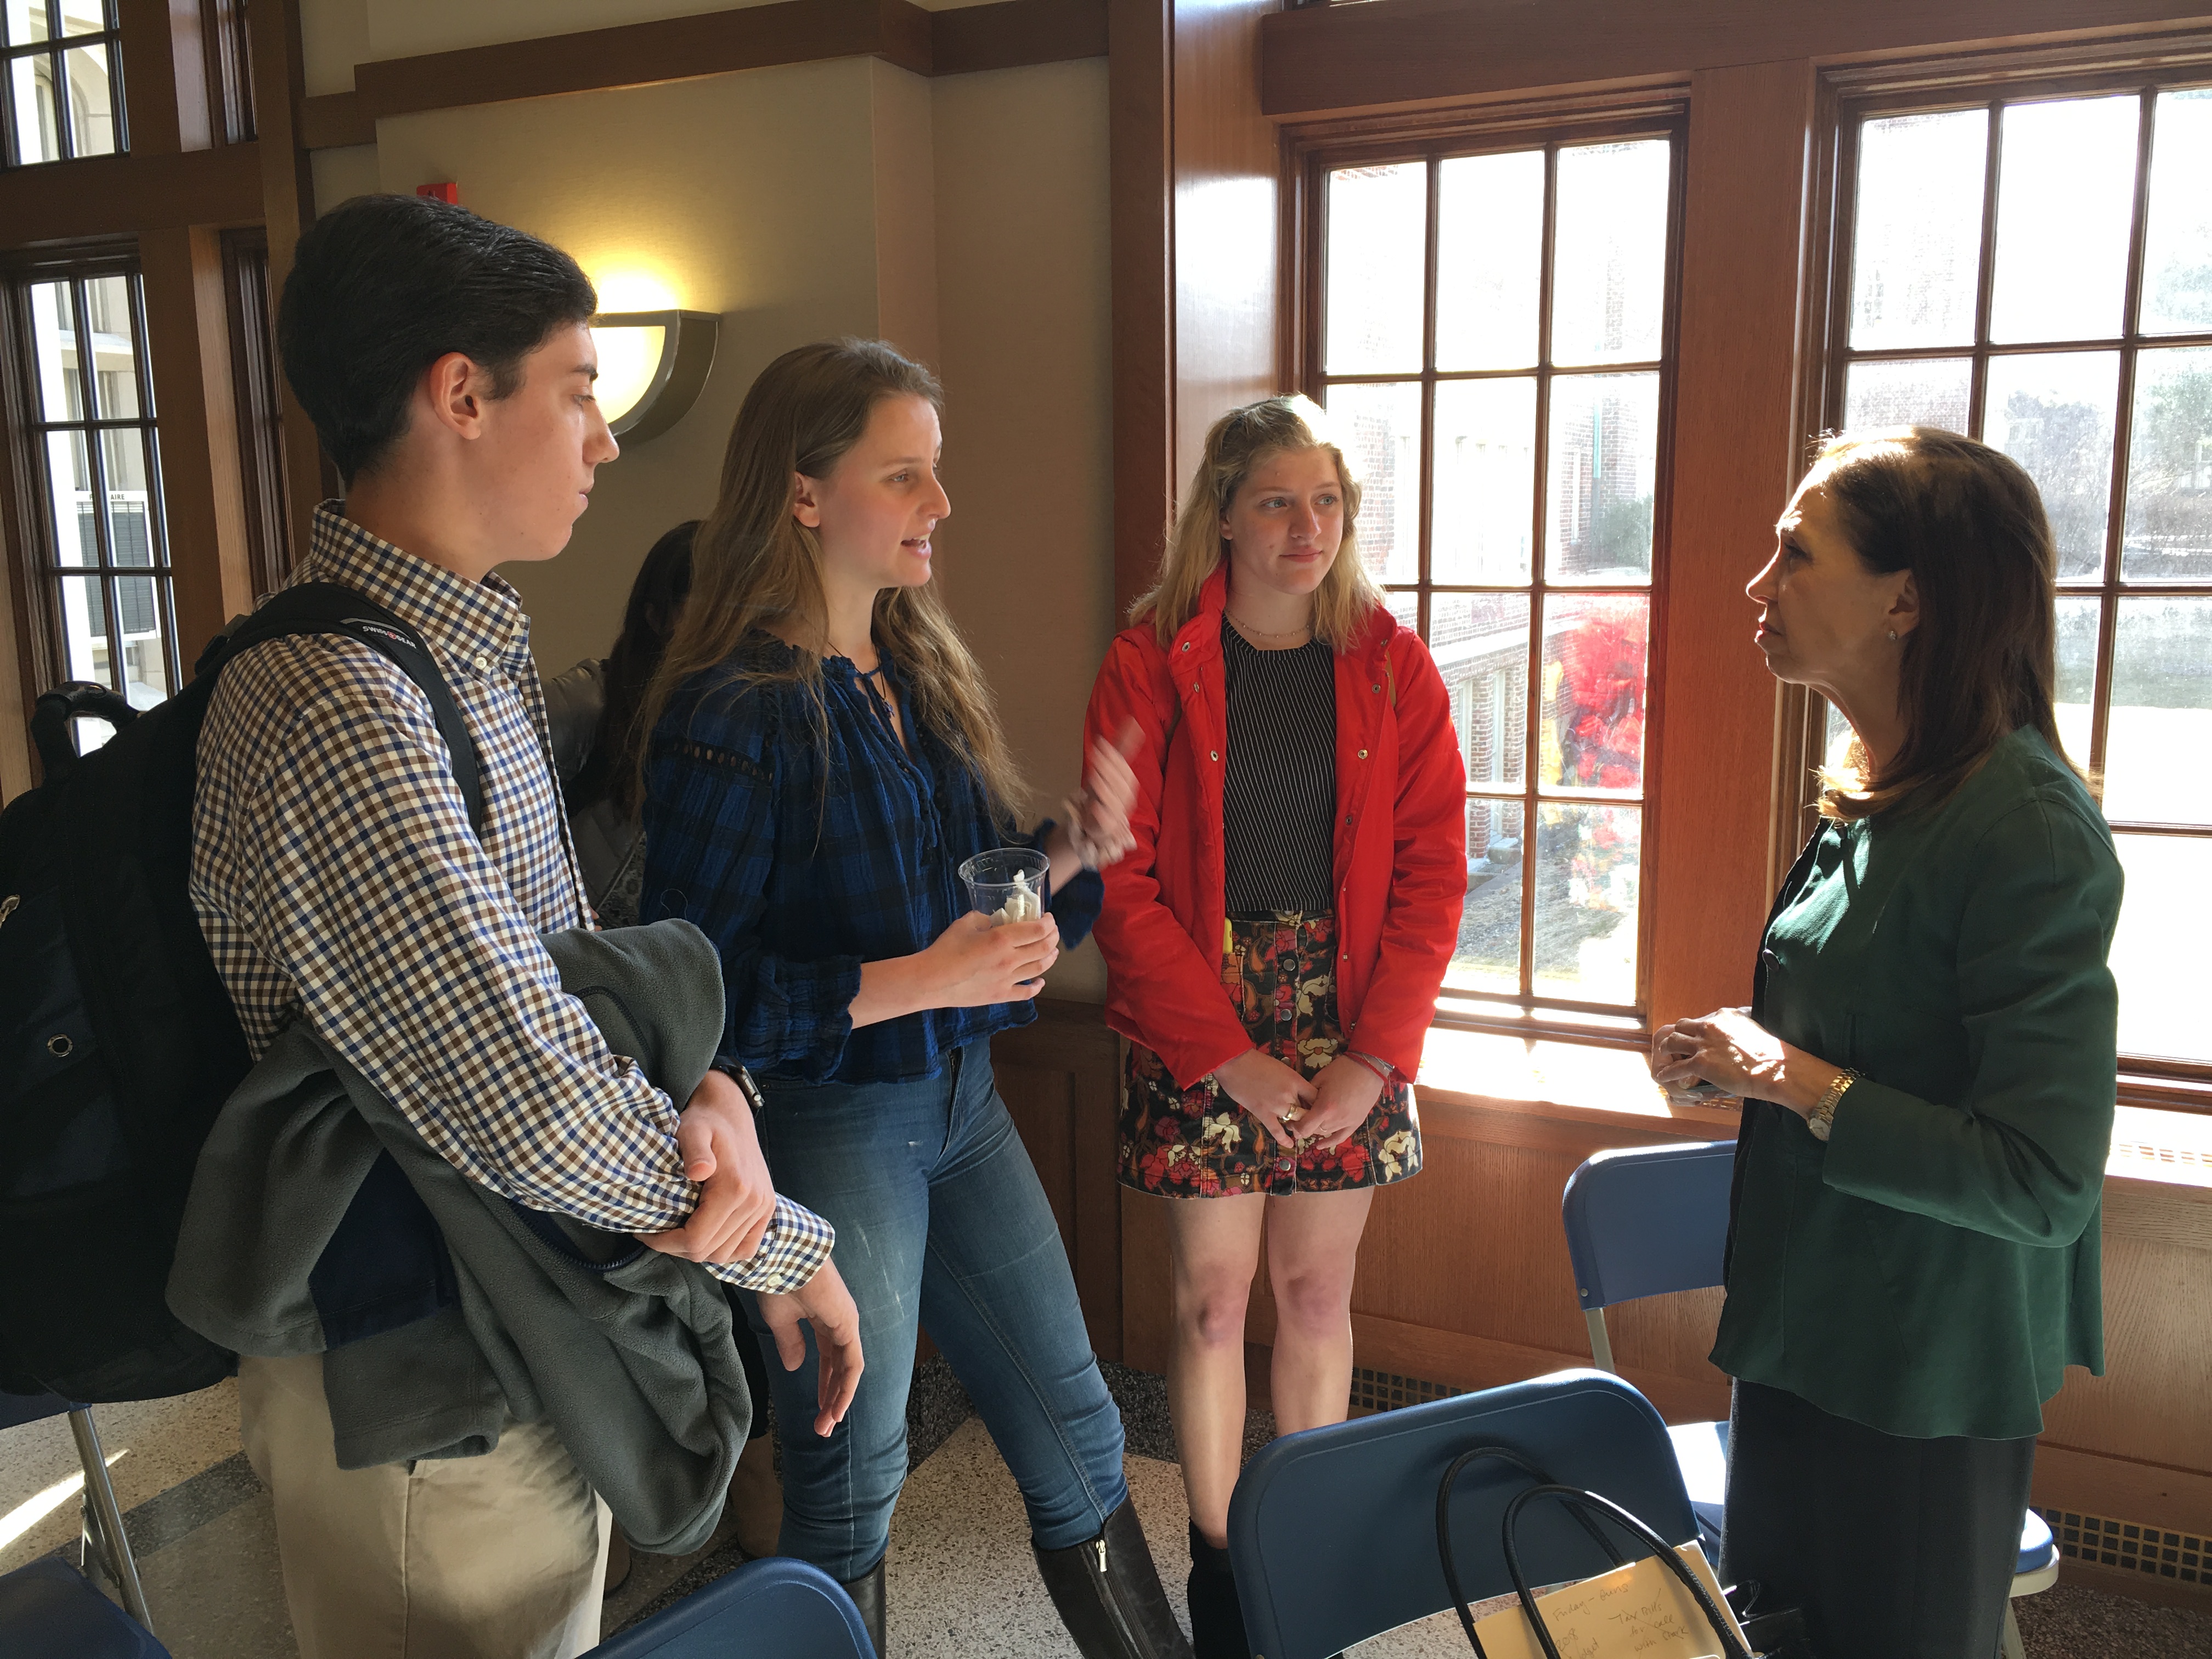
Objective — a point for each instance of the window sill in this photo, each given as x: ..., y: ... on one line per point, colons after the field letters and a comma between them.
x: 1483, y: 1081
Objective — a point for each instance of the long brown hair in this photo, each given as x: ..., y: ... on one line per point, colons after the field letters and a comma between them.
x: 753, y: 563
x: 1968, y: 522
x: 1236, y: 444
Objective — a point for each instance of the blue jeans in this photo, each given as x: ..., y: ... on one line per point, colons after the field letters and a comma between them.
x: 940, y: 1222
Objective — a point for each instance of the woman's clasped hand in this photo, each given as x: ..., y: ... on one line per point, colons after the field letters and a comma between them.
x: 1730, y: 1053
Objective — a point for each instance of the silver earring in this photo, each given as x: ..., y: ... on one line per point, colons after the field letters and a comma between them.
x: 1893, y: 633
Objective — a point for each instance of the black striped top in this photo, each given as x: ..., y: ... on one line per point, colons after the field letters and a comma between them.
x: 1278, y: 795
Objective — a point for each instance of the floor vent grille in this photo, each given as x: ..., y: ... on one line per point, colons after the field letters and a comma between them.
x: 2095, y: 1540
x: 1385, y: 1391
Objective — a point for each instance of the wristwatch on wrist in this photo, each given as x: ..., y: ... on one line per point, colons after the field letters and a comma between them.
x: 1821, y: 1119
x: 751, y: 1090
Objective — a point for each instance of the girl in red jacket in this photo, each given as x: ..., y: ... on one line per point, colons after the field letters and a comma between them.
x: 1276, y: 938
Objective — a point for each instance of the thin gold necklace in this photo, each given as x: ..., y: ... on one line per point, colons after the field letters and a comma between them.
x: 1263, y: 632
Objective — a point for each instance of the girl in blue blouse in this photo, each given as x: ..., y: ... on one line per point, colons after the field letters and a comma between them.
x: 824, y: 756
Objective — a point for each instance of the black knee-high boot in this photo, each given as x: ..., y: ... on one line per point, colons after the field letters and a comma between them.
x: 1216, y: 1622
x: 1109, y: 1594
x: 867, y: 1594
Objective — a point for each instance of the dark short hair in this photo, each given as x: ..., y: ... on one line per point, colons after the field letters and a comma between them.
x: 382, y: 287
x: 1968, y: 522
x: 663, y: 582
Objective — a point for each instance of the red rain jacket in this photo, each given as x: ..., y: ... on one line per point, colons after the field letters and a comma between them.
x: 1400, y: 843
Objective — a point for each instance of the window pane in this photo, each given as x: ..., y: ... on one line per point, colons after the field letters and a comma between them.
x: 2077, y: 674
x: 140, y: 606
x: 1406, y: 608
x: 69, y: 483
x: 2054, y: 416
x: 2065, y: 204
x: 1916, y: 255
x: 2160, y: 728
x: 1490, y: 247
x: 2164, y: 920
x: 1595, y: 652
x: 92, y: 104
x: 2169, y: 510
x: 1381, y: 426
x: 1604, y: 457
x: 53, y: 342
x: 84, y: 630
x: 31, y: 83
x: 1930, y: 391
x: 1486, y: 480
x: 1480, y: 644
x: 1377, y: 255
x: 114, y: 348
x: 83, y: 16
x: 24, y: 21
x: 2177, y: 296
x: 1588, y: 861
x: 1488, y: 957
x: 1609, y: 253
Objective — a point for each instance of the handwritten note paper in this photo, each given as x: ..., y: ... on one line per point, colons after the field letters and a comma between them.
x: 1640, y: 1611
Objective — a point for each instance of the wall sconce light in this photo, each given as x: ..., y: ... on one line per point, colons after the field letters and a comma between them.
x: 651, y: 365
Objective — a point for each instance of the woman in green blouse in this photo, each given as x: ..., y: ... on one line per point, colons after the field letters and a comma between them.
x: 1927, y: 1066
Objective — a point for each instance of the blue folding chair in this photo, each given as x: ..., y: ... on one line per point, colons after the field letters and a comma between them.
x: 778, y: 1606
x: 47, y: 1611
x: 1366, y: 1491
x: 103, y: 1516
x: 1651, y: 1220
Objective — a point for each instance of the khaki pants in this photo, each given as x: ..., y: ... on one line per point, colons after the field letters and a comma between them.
x: 498, y: 1557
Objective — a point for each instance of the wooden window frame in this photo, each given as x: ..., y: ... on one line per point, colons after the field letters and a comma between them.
x: 252, y: 319
x: 39, y: 571
x: 1854, y: 95
x: 227, y: 48
x: 56, y: 46
x: 1310, y: 153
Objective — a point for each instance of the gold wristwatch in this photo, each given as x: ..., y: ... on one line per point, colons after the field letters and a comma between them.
x: 1821, y: 1119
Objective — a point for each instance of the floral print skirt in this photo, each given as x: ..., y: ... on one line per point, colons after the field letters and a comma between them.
x: 1198, y: 1143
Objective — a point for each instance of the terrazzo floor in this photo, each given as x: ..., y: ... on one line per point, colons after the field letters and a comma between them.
x: 960, y: 1586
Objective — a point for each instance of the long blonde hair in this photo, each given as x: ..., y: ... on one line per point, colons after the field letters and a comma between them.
x: 1236, y: 444
x: 754, y: 564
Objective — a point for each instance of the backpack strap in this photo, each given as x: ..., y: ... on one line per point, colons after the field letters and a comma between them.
x: 328, y: 608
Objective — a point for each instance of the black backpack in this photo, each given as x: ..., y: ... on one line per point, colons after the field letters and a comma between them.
x: 118, y: 1043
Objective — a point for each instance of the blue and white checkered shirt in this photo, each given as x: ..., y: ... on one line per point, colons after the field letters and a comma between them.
x: 336, y: 877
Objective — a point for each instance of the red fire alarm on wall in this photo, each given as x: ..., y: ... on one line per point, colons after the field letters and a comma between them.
x: 446, y: 192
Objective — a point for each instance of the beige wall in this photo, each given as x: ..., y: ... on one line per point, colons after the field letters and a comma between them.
x: 965, y: 218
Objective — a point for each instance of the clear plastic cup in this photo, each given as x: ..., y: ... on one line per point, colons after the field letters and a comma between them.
x: 1008, y: 884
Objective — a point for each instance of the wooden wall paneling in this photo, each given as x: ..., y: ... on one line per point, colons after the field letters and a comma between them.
x: 188, y: 343
x: 966, y: 39
x: 164, y: 75
x: 287, y: 207
x: 1017, y: 33
x: 128, y: 195
x: 1737, y: 450
x: 1228, y: 163
x: 1139, y: 197
x: 1324, y: 58
x: 1059, y: 1077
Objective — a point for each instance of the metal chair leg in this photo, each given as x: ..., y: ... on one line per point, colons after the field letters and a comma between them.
x: 2012, y: 1647
x: 100, y: 1495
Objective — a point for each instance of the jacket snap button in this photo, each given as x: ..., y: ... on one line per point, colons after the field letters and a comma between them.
x: 1213, y: 754
x: 1348, y: 818
x: 1363, y: 754
x: 60, y: 1047
x: 1376, y: 689
x: 1186, y: 645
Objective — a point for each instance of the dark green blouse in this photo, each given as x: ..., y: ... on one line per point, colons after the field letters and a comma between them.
x: 1933, y: 1269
